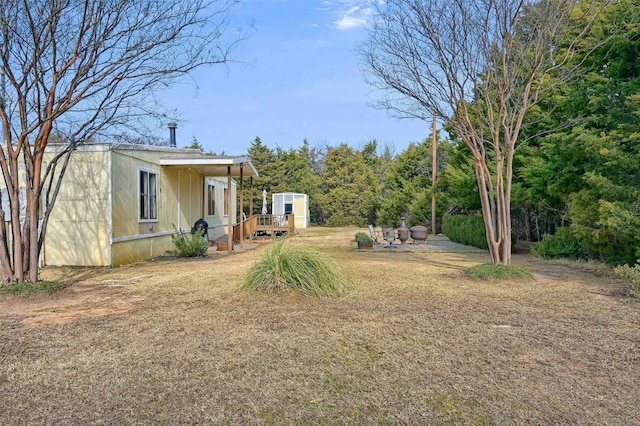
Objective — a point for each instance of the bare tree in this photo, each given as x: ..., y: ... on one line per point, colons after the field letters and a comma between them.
x: 479, y: 66
x: 74, y: 68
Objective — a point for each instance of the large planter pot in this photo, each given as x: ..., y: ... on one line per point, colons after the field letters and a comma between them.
x: 223, y: 246
x: 365, y: 244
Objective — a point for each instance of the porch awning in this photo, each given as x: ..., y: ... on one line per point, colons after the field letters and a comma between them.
x: 213, y: 165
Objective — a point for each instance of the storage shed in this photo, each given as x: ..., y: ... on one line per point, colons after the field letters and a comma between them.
x: 291, y: 202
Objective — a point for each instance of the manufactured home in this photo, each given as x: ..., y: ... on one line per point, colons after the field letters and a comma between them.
x: 120, y: 202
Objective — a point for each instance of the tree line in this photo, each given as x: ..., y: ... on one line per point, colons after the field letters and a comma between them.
x: 350, y: 186
x: 576, y: 169
x: 496, y: 73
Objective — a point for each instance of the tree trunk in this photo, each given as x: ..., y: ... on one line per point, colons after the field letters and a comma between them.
x: 5, y: 260
x: 496, y: 206
x: 34, y: 191
x: 16, y: 232
x: 33, y: 253
x: 487, y: 214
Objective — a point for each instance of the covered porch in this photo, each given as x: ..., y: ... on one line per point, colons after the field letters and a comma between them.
x: 238, y: 168
x: 231, y: 167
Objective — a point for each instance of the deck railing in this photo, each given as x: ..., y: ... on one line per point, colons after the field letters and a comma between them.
x: 270, y: 223
x: 248, y: 228
x: 275, y: 222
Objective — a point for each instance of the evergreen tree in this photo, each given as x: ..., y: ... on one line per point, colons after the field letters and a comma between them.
x: 408, y: 188
x: 349, y: 198
x: 588, y: 175
x: 262, y: 159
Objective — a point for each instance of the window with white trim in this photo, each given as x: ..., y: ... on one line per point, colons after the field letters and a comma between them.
x: 147, y: 195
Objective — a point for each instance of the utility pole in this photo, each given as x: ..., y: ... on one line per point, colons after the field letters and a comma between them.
x: 3, y: 88
x: 3, y: 82
x: 434, y: 167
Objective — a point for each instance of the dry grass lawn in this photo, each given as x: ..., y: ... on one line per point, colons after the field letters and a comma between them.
x: 172, y: 341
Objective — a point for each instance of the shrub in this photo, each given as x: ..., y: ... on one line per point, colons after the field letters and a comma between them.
x: 562, y: 244
x: 362, y: 237
x: 284, y: 268
x: 464, y: 229
x: 631, y: 274
x: 190, y: 246
x: 489, y: 272
x: 604, y: 218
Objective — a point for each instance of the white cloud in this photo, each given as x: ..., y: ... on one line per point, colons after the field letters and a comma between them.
x: 326, y: 6
x: 354, y: 13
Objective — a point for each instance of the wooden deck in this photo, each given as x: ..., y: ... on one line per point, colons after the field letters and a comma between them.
x: 264, y: 223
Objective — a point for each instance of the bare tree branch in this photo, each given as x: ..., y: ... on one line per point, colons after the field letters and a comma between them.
x: 480, y: 67
x: 80, y: 67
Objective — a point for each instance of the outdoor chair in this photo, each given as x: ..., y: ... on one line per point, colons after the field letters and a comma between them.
x: 375, y: 235
x: 389, y: 235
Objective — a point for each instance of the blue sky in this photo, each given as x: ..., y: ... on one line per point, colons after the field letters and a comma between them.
x: 298, y: 78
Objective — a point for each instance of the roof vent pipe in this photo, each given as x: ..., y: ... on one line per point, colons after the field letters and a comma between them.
x: 172, y: 134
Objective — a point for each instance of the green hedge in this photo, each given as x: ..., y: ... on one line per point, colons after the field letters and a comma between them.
x: 468, y: 230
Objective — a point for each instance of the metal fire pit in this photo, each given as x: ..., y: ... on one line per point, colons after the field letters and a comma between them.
x: 419, y: 233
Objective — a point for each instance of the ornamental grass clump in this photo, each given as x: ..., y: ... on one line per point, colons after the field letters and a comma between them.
x: 489, y: 272
x: 284, y: 268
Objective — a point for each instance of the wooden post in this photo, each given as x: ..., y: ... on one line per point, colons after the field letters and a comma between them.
x: 250, y: 196
x: 241, y: 206
x: 229, y: 215
x: 434, y: 167
x: 251, y: 202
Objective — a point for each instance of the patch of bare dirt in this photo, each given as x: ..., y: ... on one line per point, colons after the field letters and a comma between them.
x: 87, y: 291
x: 48, y: 313
x: 78, y: 301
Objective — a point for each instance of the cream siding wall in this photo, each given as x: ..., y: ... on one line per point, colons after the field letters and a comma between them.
x: 300, y: 210
x: 180, y: 204
x: 78, y: 230
x: 218, y: 222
